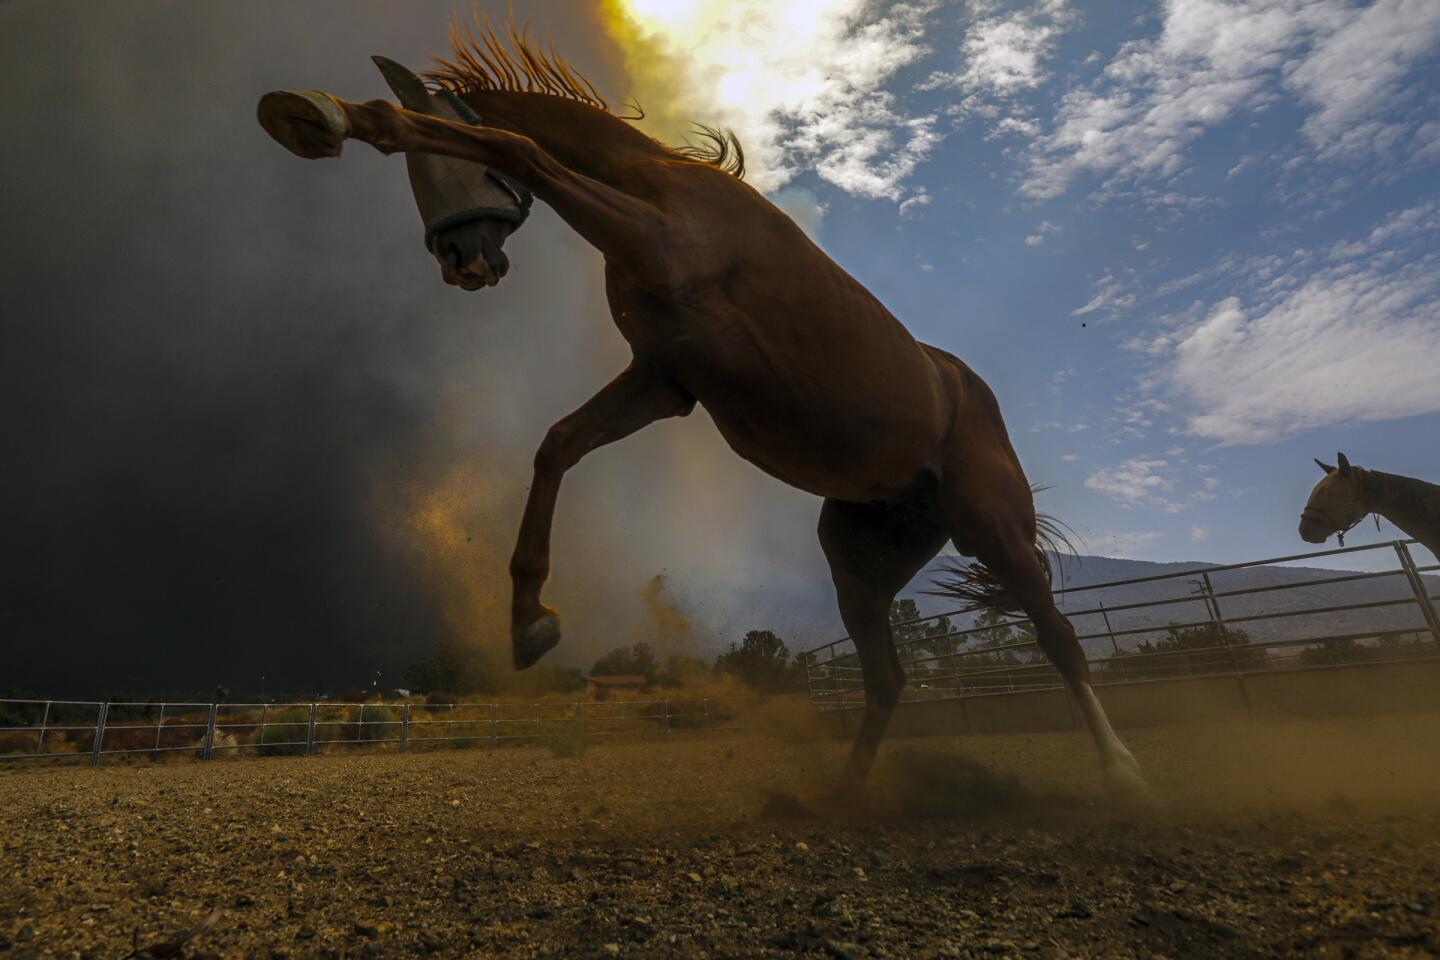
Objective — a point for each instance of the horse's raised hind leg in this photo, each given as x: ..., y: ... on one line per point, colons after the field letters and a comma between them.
x: 1003, y: 539
x: 873, y: 552
x: 634, y: 399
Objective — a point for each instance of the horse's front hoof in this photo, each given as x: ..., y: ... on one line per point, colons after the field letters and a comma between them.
x: 308, y: 123
x: 531, y: 642
x: 1127, y: 788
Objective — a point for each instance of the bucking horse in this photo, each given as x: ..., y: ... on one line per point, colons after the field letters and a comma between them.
x: 724, y: 302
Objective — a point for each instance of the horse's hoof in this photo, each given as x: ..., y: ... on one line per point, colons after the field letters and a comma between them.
x: 1127, y: 788
x: 308, y: 123
x: 530, y: 643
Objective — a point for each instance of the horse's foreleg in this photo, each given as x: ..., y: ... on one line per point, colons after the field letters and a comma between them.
x: 314, y: 124
x: 632, y: 400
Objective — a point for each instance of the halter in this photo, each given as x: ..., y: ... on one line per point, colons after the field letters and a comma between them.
x: 517, y: 190
x: 1313, y: 514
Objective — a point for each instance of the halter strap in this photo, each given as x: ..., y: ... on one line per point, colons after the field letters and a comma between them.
x: 517, y: 190
x: 1359, y: 474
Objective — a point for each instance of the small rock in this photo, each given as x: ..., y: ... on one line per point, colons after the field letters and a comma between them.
x: 802, y: 846
x: 1078, y: 910
x: 613, y: 949
x: 244, y: 900
x: 367, y: 930
x: 843, y: 950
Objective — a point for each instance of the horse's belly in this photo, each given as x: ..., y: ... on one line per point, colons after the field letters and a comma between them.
x: 862, y: 460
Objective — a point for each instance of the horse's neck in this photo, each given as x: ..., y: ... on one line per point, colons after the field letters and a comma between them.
x: 1412, y: 505
x: 585, y: 139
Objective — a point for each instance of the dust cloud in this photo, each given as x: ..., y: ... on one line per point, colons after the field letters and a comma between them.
x: 251, y: 438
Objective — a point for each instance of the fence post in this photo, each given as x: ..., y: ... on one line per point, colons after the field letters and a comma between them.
x: 404, y: 727
x: 99, y: 735
x: 309, y: 730
x: 665, y: 706
x: 44, y: 721
x: 580, y: 718
x: 1417, y: 586
x: 159, y: 728
x: 494, y: 729
x: 537, y: 723
x: 1213, y: 603
x: 209, y: 751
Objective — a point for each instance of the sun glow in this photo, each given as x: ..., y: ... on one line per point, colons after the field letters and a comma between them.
x: 785, y: 75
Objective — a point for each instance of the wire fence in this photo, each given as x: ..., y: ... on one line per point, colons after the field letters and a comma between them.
x: 94, y: 730
x: 1189, y: 623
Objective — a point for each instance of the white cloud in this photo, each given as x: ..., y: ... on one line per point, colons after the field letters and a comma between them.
x: 1005, y: 55
x: 1214, y: 59
x: 1352, y: 338
x: 920, y: 199
x: 802, y: 82
x: 1136, y: 481
x: 1109, y: 295
x: 1198, y: 534
x: 1353, y: 73
x: 1046, y: 229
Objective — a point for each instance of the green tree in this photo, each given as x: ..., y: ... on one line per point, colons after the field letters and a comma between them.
x: 681, y: 668
x: 762, y: 661
x: 638, y: 660
x: 1189, y: 650
x: 450, y: 669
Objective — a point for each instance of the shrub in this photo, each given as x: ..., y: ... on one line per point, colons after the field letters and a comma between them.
x: 565, y: 740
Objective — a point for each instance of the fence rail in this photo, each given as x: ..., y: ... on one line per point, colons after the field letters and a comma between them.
x: 93, y: 730
x: 1202, y: 638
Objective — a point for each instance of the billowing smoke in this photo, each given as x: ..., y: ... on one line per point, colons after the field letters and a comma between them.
x: 251, y: 439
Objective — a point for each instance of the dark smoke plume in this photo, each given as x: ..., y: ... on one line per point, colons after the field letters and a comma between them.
x: 249, y: 437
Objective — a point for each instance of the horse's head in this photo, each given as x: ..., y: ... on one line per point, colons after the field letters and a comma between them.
x: 1336, y: 504
x: 468, y: 209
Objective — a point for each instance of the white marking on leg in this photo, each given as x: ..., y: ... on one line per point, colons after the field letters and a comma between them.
x: 1116, y: 762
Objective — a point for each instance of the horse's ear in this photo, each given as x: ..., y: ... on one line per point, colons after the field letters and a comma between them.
x: 1324, y: 466
x: 408, y: 88
x: 1344, y: 464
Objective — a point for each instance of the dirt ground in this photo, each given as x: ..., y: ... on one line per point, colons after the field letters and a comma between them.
x: 1308, y: 839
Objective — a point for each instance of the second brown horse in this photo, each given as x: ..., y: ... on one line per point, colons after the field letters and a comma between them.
x: 727, y: 303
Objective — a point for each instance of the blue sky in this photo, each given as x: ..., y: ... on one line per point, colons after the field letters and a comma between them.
x: 1191, y: 245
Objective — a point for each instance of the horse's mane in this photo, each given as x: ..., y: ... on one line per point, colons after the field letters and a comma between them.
x: 484, y: 57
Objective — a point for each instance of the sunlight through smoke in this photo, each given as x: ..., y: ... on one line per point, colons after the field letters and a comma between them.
x: 800, y: 81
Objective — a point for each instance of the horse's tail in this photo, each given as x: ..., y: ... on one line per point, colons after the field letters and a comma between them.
x: 977, y: 587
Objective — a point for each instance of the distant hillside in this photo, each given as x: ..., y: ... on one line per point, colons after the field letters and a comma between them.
x: 802, y: 608
x: 1084, y: 571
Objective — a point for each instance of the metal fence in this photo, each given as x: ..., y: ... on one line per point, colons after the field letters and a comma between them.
x: 1190, y: 627
x: 83, y: 729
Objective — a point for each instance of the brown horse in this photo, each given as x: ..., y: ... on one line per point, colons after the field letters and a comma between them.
x: 1346, y: 494
x: 725, y: 302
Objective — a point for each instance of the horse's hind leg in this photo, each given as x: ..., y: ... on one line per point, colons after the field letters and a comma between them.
x: 998, y: 528
x: 873, y: 552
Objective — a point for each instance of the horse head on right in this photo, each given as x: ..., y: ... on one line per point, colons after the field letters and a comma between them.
x: 1336, y: 504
